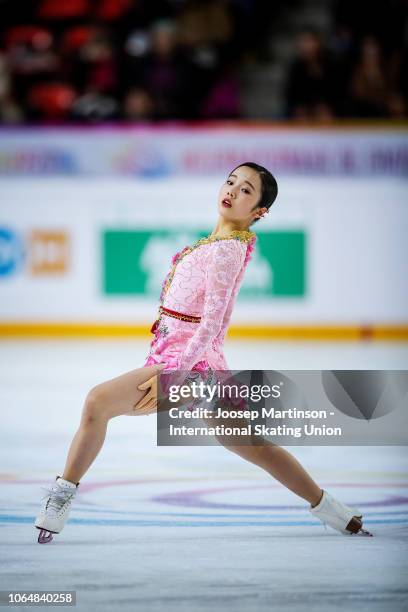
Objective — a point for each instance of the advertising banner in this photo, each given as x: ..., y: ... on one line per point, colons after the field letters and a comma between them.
x: 178, y: 150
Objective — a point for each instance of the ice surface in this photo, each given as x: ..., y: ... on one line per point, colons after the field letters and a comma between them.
x: 191, y: 528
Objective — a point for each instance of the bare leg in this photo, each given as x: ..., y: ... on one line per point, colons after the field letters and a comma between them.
x: 277, y: 461
x: 84, y: 449
x: 283, y: 466
x: 109, y: 399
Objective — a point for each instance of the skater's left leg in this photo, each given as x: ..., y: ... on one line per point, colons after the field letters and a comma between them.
x: 283, y: 466
x: 277, y: 461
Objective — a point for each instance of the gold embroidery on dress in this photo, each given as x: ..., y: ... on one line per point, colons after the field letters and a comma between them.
x: 242, y: 235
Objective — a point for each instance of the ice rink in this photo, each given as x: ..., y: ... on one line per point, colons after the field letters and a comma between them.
x: 184, y: 528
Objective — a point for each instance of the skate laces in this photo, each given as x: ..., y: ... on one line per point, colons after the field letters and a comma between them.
x: 57, y: 497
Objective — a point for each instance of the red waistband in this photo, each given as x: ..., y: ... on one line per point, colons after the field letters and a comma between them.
x: 177, y: 315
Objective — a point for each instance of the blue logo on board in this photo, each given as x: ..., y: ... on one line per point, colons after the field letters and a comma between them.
x: 11, y: 251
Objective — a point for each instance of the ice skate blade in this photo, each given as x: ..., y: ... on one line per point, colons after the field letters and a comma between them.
x: 44, y: 536
x: 363, y: 532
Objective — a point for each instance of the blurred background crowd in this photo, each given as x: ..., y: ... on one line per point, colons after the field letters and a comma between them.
x: 143, y: 60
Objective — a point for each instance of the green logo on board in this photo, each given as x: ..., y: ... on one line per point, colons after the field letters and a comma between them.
x: 136, y: 262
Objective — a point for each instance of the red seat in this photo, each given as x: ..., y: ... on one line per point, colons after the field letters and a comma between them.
x: 76, y: 37
x: 52, y: 100
x: 109, y: 10
x: 63, y: 9
x: 39, y: 38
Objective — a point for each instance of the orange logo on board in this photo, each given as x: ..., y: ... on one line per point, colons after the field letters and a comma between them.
x: 48, y: 252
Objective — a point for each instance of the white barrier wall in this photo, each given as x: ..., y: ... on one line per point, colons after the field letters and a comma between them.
x: 332, y: 249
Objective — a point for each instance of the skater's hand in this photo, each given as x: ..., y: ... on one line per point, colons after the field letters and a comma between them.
x: 148, y: 403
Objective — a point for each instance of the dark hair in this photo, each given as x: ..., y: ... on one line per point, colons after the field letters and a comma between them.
x: 269, y: 186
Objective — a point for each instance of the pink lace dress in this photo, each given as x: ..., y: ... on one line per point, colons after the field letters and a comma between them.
x: 203, y: 281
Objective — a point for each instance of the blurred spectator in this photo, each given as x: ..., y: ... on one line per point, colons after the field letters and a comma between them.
x: 396, y: 106
x: 377, y: 36
x: 94, y: 63
x: 368, y: 85
x: 223, y: 99
x: 205, y: 22
x: 94, y: 107
x: 10, y: 112
x: 383, y: 19
x: 31, y: 57
x: 162, y: 71
x: 103, y: 60
x: 207, y: 35
x: 138, y: 105
x: 252, y: 22
x: 341, y: 48
x: 309, y: 91
x: 401, y: 80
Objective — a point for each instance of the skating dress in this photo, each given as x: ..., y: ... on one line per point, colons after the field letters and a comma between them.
x: 196, y: 302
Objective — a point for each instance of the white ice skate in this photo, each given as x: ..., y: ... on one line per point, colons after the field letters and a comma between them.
x: 337, y: 515
x: 55, y: 511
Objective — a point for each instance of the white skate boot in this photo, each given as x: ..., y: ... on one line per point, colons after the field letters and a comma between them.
x: 55, y: 511
x: 337, y: 515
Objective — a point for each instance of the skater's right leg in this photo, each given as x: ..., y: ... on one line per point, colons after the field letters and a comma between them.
x: 109, y: 399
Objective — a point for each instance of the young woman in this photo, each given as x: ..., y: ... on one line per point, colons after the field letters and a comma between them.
x: 196, y: 303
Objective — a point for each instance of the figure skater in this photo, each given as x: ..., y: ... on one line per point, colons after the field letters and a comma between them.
x: 195, y: 308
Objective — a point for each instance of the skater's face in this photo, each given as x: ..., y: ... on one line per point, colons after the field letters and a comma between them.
x: 243, y: 190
